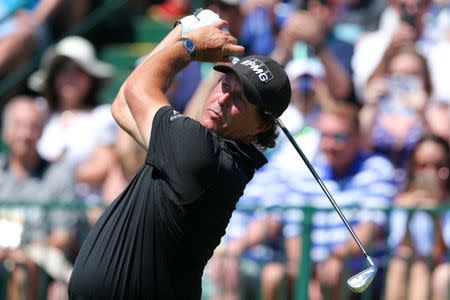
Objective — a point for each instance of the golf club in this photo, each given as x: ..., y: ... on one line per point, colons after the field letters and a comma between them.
x: 359, y: 282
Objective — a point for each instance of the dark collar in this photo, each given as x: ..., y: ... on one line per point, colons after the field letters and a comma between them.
x: 247, y: 153
x: 37, y: 172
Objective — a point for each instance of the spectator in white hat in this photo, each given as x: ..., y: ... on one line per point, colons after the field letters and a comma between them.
x: 80, y: 130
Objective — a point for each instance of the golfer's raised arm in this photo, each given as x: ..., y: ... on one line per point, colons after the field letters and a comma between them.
x: 120, y: 110
x: 144, y: 90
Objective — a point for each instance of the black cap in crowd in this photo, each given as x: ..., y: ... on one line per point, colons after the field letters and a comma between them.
x: 264, y: 82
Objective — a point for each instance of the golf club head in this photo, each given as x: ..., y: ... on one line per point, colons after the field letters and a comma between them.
x: 359, y: 282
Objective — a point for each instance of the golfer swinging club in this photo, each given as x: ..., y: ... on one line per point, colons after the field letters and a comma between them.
x: 155, y: 239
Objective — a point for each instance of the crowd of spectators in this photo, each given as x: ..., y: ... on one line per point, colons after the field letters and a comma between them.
x: 370, y: 108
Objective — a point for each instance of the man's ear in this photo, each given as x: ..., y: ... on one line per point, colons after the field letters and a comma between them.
x: 263, y: 127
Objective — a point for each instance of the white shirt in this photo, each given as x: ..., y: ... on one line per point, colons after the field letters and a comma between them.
x: 370, y: 49
x: 74, y: 137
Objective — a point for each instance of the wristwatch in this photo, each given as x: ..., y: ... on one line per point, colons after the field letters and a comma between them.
x: 189, y: 45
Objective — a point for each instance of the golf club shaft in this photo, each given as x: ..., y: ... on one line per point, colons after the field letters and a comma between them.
x: 324, y: 188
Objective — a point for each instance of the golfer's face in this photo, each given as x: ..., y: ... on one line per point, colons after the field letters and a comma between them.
x: 228, y: 113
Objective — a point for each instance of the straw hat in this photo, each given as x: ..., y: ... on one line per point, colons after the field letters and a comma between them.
x: 79, y: 50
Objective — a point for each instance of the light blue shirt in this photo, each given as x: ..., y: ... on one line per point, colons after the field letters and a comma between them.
x: 361, y: 194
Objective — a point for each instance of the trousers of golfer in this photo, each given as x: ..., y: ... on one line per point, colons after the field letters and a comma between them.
x: 155, y: 239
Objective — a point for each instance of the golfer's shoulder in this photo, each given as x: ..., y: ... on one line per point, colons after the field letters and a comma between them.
x: 169, y: 118
x: 186, y: 136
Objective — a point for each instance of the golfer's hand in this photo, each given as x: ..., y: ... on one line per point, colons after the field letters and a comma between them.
x: 212, y: 44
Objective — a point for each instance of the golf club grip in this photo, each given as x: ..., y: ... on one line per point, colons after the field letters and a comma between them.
x: 322, y: 185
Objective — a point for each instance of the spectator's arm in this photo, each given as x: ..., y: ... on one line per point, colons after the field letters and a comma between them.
x: 62, y: 227
x: 366, y: 232
x: 248, y: 6
x: 260, y: 230
x: 338, y: 80
x: 44, y: 10
x: 30, y: 21
x: 439, y: 247
x: 293, y: 253
x: 282, y: 52
x: 60, y: 239
x: 303, y: 26
x: 263, y: 229
x: 367, y: 118
x: 94, y: 170
x: 376, y: 88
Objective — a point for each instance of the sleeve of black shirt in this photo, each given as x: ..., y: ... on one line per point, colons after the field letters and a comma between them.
x: 184, y: 152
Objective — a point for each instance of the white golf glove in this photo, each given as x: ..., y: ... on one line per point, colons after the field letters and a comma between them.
x: 200, y: 18
x: 188, y: 24
x: 206, y: 16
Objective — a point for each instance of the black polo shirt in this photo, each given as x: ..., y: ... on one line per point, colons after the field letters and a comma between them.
x: 155, y: 239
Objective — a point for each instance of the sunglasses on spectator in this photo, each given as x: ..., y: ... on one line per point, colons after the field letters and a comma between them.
x: 340, y: 137
x: 428, y: 164
x: 412, y: 6
x: 442, y: 171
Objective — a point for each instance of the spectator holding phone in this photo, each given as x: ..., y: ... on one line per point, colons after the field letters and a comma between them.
x: 311, y: 27
x: 80, y: 130
x: 401, y: 25
x: 392, y: 117
x: 421, y: 237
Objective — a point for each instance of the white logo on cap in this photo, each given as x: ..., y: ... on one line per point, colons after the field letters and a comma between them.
x: 259, y: 68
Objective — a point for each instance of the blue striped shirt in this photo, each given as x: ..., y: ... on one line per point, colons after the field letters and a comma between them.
x: 267, y: 189
x: 368, y: 186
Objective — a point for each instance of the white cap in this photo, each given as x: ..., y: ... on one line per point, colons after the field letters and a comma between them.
x: 298, y: 67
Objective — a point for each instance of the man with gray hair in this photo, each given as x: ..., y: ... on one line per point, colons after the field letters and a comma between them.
x: 31, y: 235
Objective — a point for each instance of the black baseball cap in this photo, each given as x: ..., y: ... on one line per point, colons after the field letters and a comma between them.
x: 264, y: 81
